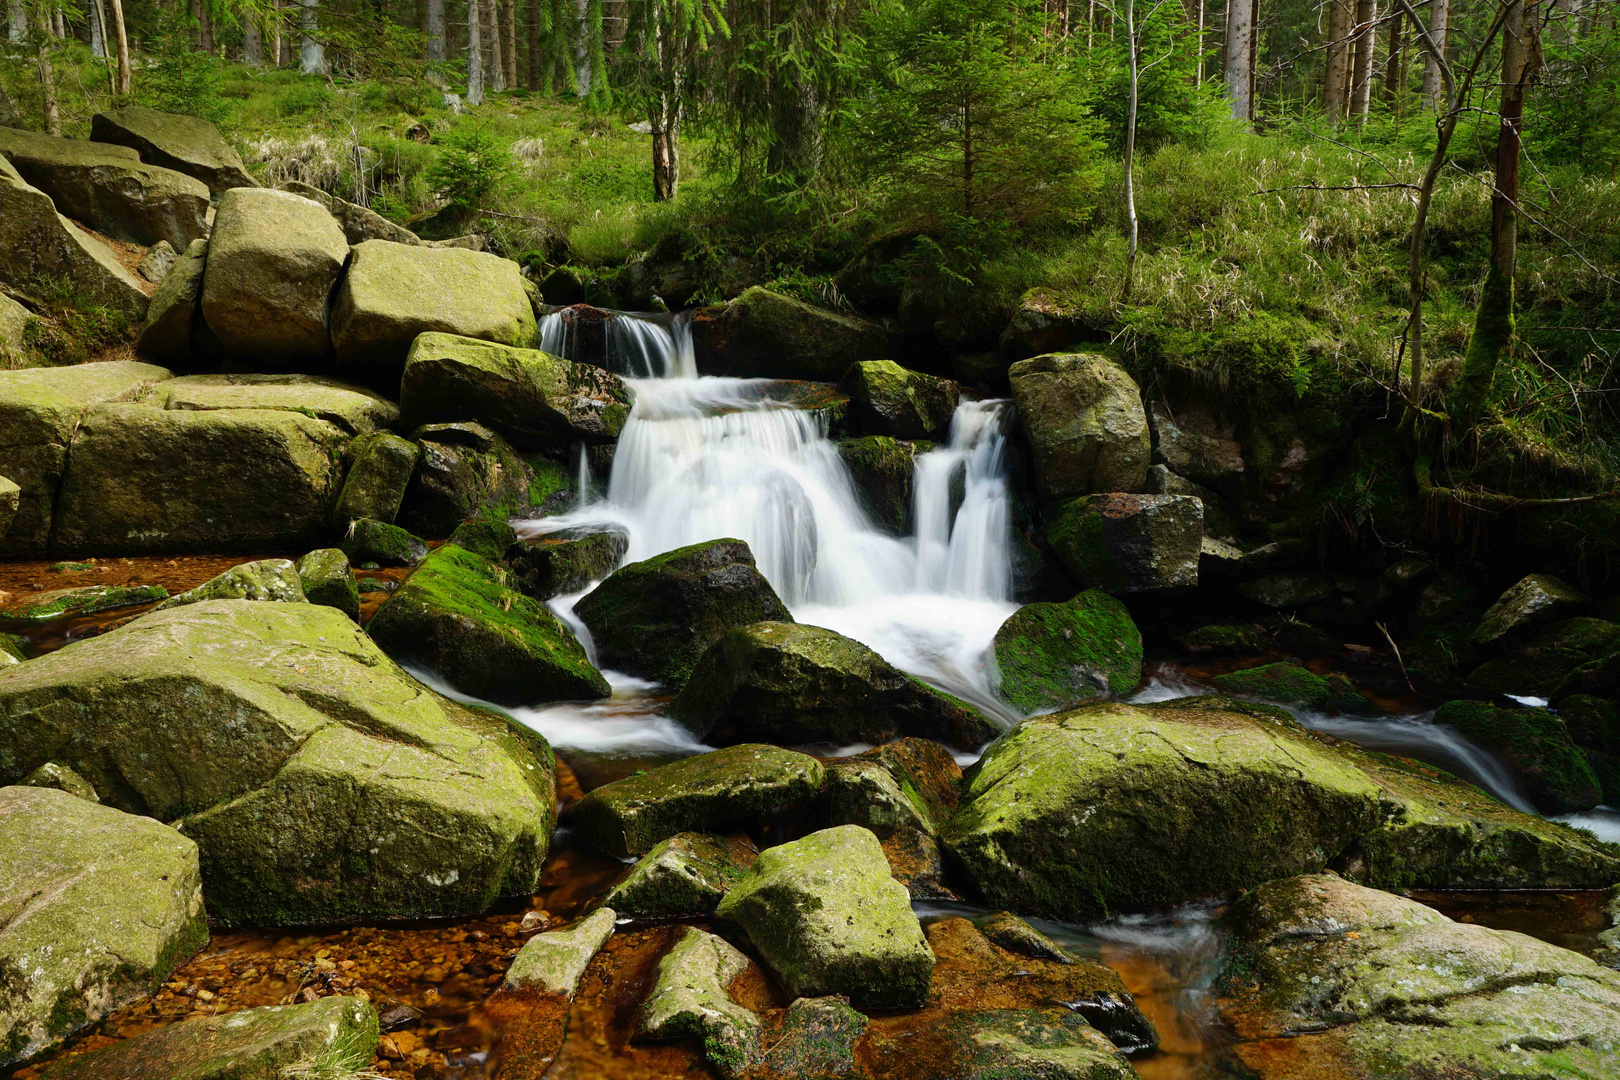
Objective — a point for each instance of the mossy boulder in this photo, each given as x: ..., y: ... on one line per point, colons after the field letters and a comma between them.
x: 1290, y: 684
x: 267, y: 579
x: 689, y: 999
x: 565, y: 562
x: 1043, y: 322
x: 1539, y: 666
x: 327, y: 579
x: 352, y: 410
x: 328, y: 1037
x: 1226, y: 639
x: 169, y: 332
x: 1053, y: 656
x: 1593, y: 722
x: 380, y: 467
x: 100, y: 906
x: 11, y: 650
x: 1536, y: 747
x: 905, y: 784
x: 1365, y: 985
x: 465, y: 469
x: 882, y: 469
x: 321, y: 783
x: 801, y: 684
x: 683, y: 876
x: 367, y: 541
x: 553, y: 962
x: 818, y: 1042
x: 764, y: 334
x: 1083, y: 416
x: 55, y: 775
x: 696, y: 794
x: 489, y: 537
x: 10, y: 499
x: 887, y: 399
x: 457, y: 615
x: 1534, y: 600
x: 656, y: 617
x: 1115, y: 807
x: 1129, y: 543
x: 826, y: 917
x: 185, y: 144
x: 538, y: 401
x: 391, y: 293
x: 84, y: 600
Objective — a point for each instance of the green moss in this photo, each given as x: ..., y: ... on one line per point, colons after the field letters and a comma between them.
x: 487, y: 535
x: 1058, y: 655
x: 1536, y: 745
x: 369, y: 541
x: 1284, y: 682
x: 1226, y: 640
x: 89, y: 600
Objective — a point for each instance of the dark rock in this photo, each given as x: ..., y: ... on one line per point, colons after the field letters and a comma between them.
x: 559, y: 563
x: 1043, y: 323
x: 763, y: 334
x: 882, y: 469
x: 1288, y: 589
x: 887, y: 399
x: 1536, y: 747
x: 1221, y: 639
x: 368, y: 541
x: 170, y: 328
x: 1290, y: 684
x: 380, y: 471
x: 1541, y: 665
x: 1053, y: 656
x: 328, y: 580
x: 1537, y: 599
x: 464, y: 470
x: 818, y: 1041
x: 1130, y: 543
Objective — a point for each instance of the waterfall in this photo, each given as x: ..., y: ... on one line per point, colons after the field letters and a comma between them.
x: 962, y: 546
x: 641, y: 345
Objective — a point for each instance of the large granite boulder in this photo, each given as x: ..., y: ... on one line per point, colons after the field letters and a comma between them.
x: 273, y: 259
x: 763, y: 334
x: 326, y: 578
x: 887, y: 399
x: 696, y: 794
x: 169, y: 332
x: 273, y: 580
x: 361, y: 223
x: 536, y: 400
x: 826, y: 917
x: 98, y: 908
x: 380, y: 467
x: 38, y: 242
x: 683, y: 876
x: 1535, y: 600
x: 321, y: 783
x: 457, y: 615
x: 903, y: 791
x: 655, y: 618
x: 1054, y: 656
x: 393, y: 292
x: 182, y: 143
x: 1113, y: 806
x: 464, y: 470
x: 1083, y: 416
x: 1359, y: 983
x: 352, y: 410
x: 1130, y: 543
x: 883, y: 470
x: 1542, y: 664
x: 1535, y: 746
x: 328, y: 1037
x: 40, y: 410
x: 107, y: 188
x: 689, y: 999
x: 787, y: 683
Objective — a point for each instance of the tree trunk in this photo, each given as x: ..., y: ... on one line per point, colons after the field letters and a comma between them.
x: 122, y: 38
x: 1439, y: 23
x: 435, y: 30
x: 98, y: 40
x: 537, y: 21
x: 490, y: 24
x: 475, y: 54
x: 1239, y: 57
x: 1362, y: 74
x: 252, y: 40
x: 1336, y: 78
x: 313, y: 53
x: 47, y: 85
x: 509, y: 66
x: 58, y: 24
x: 1199, y: 77
x: 17, y: 22
x: 582, y: 49
x: 665, y: 176
x: 1568, y: 19
x: 276, y: 49
x: 1134, y: 61
x: 1395, y: 62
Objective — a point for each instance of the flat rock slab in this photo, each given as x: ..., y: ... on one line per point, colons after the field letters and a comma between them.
x: 85, y: 600
x: 267, y: 579
x: 183, y: 143
x: 97, y: 907
x: 354, y: 409
x: 552, y: 962
x: 690, y: 1000
x: 686, y: 875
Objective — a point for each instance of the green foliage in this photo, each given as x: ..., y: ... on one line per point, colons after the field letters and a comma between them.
x: 180, y: 79
x: 1171, y: 105
x: 473, y: 165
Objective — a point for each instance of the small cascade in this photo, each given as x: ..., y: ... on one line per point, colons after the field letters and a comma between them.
x: 640, y: 345
x: 959, y: 499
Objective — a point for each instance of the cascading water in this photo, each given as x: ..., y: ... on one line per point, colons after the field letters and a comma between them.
x: 640, y: 345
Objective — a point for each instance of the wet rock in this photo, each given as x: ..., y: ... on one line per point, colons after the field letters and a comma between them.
x: 1608, y: 951
x: 690, y: 1000
x: 327, y: 579
x: 763, y: 334
x: 169, y: 332
x: 887, y: 399
x: 182, y: 143
x: 158, y: 261
x: 273, y: 259
x: 826, y: 917
x: 905, y: 784
x: 368, y: 541
x: 1194, y: 444
x: 559, y: 563
x: 655, y: 618
x: 1024, y: 1044
x: 1594, y: 724
x: 393, y: 292
x: 37, y: 242
x: 1083, y: 417
x: 1224, y: 639
x: 100, y: 907
x: 321, y: 783
x: 1043, y: 323
x: 701, y: 793
x: 1017, y: 936
x: 800, y: 684
x: 536, y: 400
x: 109, y: 189
x: 1130, y: 543
x: 1288, y: 589
x: 1290, y: 684
x: 487, y: 537
x: 329, y: 1037
x: 1542, y: 664
x: 1238, y: 794
x: 882, y: 469
x: 352, y: 410
x: 381, y: 468
x: 268, y: 579
x: 1535, y: 600
x: 465, y: 469
x: 1444, y: 597
x: 683, y: 876
x: 53, y: 774
x: 1535, y: 746
x: 1053, y: 656
x: 818, y: 1041
x: 457, y: 615
x: 85, y: 600
x: 553, y: 962
x: 1363, y: 983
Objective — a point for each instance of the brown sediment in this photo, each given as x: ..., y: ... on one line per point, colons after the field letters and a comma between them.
x: 1571, y: 920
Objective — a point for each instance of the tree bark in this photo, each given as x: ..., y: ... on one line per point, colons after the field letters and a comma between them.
x: 1336, y: 78
x: 47, y: 85
x: 582, y: 49
x: 122, y: 37
x: 1362, y: 74
x: 98, y: 40
x: 252, y: 40
x: 537, y: 20
x: 509, y: 67
x: 17, y: 22
x: 1395, y: 61
x: 1439, y: 23
x: 1239, y: 57
x: 475, y: 54
x: 435, y: 30
x: 1134, y: 62
x: 313, y: 53
x: 490, y: 24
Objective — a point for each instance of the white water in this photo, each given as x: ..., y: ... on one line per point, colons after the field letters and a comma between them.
x: 640, y: 345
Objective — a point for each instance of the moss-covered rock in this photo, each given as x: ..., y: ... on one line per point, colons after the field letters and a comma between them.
x: 327, y: 579
x: 185, y: 144
x: 53, y: 774
x: 656, y: 617
x: 10, y: 499
x: 1129, y: 543
x: 1226, y: 639
x: 905, y: 784
x: 171, y: 318
x: 696, y: 794
x: 1287, y: 589
x: 457, y: 614
x: 683, y: 876
x: 1541, y: 665
x: 1007, y: 930
x: 352, y: 410
x: 560, y: 563
x: 1366, y: 985
x: 321, y: 783
x: 538, y: 401
x: 267, y: 579
x: 488, y: 536
x: 1018, y: 1044
x: 465, y: 469
x: 763, y: 334
x: 1593, y: 722
x: 1052, y: 656
x: 380, y: 469
x: 1083, y: 416
x: 1043, y: 322
x: 826, y: 917
x: 689, y: 1000
x: 882, y: 469
x: 11, y: 650
x: 100, y: 906
x: 367, y: 541
x: 1535, y: 745
x: 887, y: 399
x: 328, y: 1037
x: 1291, y: 684
x: 818, y: 1042
x: 1115, y: 807
x: 1536, y: 599
x: 85, y: 600
x: 553, y: 962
